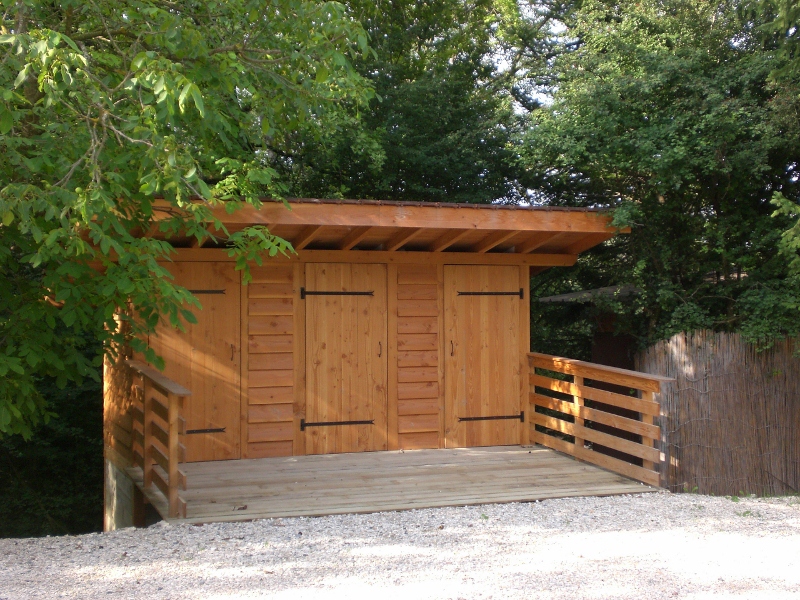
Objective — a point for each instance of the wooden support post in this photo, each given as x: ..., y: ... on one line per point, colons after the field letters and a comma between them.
x: 147, y: 459
x: 578, y: 380
x: 174, y: 478
x: 391, y: 290
x: 525, y: 347
x: 648, y: 464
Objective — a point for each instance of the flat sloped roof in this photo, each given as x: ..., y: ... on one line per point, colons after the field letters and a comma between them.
x: 322, y: 224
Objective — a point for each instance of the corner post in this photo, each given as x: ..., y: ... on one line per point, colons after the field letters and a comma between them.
x: 579, y: 402
x: 647, y: 464
x: 147, y: 459
x: 174, y: 477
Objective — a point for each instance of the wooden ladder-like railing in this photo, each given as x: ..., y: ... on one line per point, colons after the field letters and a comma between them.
x: 602, y: 415
x: 163, y: 428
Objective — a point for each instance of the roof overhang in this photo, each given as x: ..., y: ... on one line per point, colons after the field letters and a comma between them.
x: 383, y: 226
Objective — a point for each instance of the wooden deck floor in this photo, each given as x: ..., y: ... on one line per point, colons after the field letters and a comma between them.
x: 378, y: 481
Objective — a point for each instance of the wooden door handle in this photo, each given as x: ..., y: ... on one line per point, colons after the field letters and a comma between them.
x: 452, y: 348
x: 380, y: 349
x: 233, y: 351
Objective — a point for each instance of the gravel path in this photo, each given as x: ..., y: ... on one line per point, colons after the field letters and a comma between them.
x: 648, y: 546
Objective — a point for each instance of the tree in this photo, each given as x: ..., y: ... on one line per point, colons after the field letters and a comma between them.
x: 664, y: 112
x: 783, y: 24
x: 442, y: 126
x: 107, y: 106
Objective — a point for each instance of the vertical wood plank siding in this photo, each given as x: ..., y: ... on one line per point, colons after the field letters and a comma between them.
x: 419, y: 385
x: 270, y: 363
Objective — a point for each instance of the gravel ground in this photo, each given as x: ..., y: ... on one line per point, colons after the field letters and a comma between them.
x: 647, y: 546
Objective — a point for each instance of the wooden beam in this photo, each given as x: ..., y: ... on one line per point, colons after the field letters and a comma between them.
x: 540, y: 238
x: 439, y: 216
x: 492, y: 240
x: 306, y: 236
x: 354, y: 237
x: 586, y: 242
x: 401, y: 238
x: 376, y: 256
x: 444, y: 241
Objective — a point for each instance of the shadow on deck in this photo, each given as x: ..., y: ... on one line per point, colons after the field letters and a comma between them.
x: 329, y: 484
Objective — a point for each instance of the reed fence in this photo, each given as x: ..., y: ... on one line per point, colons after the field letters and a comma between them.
x: 731, y: 419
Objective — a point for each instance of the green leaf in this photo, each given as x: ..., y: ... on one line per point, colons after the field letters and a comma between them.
x: 198, y: 100
x: 138, y: 61
x: 22, y: 76
x: 70, y: 43
x: 8, y: 218
x: 182, y: 98
x: 322, y: 74
x: 6, y: 120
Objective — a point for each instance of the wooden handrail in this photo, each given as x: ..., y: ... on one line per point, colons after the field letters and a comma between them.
x: 571, y: 366
x: 163, y: 428
x: 583, y: 419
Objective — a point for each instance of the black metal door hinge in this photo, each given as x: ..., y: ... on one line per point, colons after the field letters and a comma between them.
x: 304, y: 292
x: 304, y: 424
x: 209, y: 430
x: 520, y: 416
x: 520, y: 293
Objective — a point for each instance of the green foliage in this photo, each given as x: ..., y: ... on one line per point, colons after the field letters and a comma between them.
x: 53, y: 483
x: 665, y: 111
x: 442, y: 125
x: 107, y: 106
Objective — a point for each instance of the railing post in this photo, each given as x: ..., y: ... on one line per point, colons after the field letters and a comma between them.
x: 647, y: 464
x: 578, y: 381
x: 174, y: 414
x: 147, y: 450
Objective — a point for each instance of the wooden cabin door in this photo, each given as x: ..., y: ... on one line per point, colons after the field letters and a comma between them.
x: 206, y: 359
x: 482, y: 364
x: 346, y: 366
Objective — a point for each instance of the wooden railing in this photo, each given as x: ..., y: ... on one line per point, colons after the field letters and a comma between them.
x: 159, y: 441
x: 599, y: 414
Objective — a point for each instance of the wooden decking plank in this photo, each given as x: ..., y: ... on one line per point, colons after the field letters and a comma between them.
x: 291, y: 506
x: 382, y: 481
x: 382, y: 478
x: 610, y: 490
x: 267, y: 493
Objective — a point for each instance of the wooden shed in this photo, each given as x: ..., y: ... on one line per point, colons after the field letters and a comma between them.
x: 395, y: 326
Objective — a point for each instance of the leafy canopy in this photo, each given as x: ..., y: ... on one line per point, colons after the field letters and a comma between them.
x: 108, y: 105
x: 442, y: 126
x: 667, y: 112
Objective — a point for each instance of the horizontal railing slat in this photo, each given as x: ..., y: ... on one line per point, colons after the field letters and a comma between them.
x: 601, y: 460
x: 161, y: 481
x: 624, y: 377
x: 158, y: 379
x: 160, y: 409
x: 161, y: 459
x: 598, y: 416
x: 597, y: 437
x: 606, y: 397
x: 160, y: 434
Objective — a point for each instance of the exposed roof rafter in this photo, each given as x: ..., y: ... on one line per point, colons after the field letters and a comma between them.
x: 492, y: 240
x: 354, y: 237
x: 306, y: 237
x: 540, y: 238
x: 401, y: 238
x: 444, y: 241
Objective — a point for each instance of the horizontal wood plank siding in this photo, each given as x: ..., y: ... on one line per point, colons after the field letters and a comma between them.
x: 270, y: 368
x: 418, y: 358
